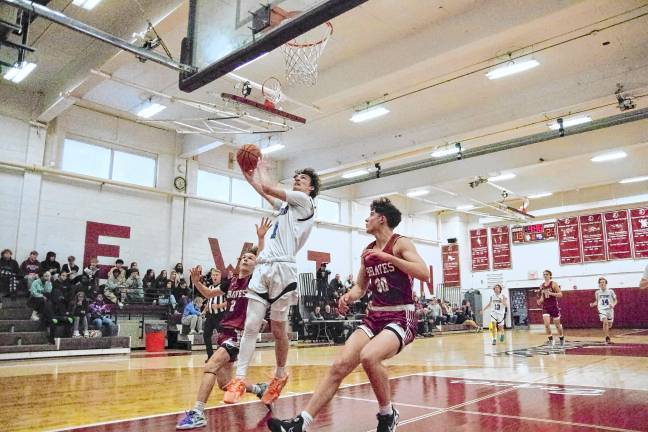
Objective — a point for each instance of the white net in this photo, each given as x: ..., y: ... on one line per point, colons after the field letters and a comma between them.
x: 302, y: 58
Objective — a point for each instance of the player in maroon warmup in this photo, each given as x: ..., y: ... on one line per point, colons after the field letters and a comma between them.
x: 549, y: 293
x: 219, y: 366
x: 388, y: 265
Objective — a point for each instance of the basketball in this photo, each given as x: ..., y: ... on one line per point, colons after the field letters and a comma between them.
x: 248, y: 157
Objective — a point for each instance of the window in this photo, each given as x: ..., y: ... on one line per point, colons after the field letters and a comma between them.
x: 86, y: 159
x: 98, y: 161
x: 243, y: 193
x: 214, y: 186
x: 328, y: 211
x: 132, y: 168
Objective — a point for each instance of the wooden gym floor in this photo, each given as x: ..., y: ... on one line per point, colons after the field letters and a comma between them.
x: 453, y: 382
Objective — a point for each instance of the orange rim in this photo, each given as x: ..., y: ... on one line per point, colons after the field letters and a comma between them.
x: 319, y: 42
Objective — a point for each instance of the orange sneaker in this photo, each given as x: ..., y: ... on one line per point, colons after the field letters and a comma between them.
x: 234, y: 390
x: 274, y: 390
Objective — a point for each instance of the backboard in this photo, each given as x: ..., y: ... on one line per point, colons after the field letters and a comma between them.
x: 223, y: 35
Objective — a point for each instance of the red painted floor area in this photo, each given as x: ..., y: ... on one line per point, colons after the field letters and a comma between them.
x: 633, y: 350
x: 435, y: 403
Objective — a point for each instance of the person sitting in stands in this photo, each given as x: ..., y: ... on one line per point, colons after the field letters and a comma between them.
x: 134, y: 288
x: 61, y: 322
x: 51, y: 265
x: 71, y: 269
x: 133, y: 267
x: 65, y: 286
x: 38, y: 301
x: 100, y: 316
x: 182, y: 293
x: 116, y: 287
x: 166, y: 298
x: 92, y: 271
x: 9, y: 272
x: 149, y: 286
x: 80, y: 309
x: 192, y: 317
x: 315, y: 315
x: 29, y: 269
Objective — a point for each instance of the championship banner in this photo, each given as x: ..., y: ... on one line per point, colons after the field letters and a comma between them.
x: 617, y: 235
x: 501, y: 247
x: 569, y: 244
x: 593, y: 238
x: 479, y: 249
x: 450, y: 257
x: 639, y: 224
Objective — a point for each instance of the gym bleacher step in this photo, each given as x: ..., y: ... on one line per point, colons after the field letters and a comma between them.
x: 26, y: 348
x: 19, y: 326
x: 94, y: 343
x: 9, y: 303
x: 16, y: 313
x: 24, y: 338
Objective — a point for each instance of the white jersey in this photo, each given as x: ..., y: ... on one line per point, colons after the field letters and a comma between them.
x: 498, y: 306
x: 604, y: 299
x: 291, y: 229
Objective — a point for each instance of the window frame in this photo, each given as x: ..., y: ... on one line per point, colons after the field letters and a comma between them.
x: 339, y: 208
x: 211, y: 170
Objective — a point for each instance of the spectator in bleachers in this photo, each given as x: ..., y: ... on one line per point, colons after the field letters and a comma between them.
x: 37, y: 296
x: 133, y: 267
x: 179, y: 269
x: 100, y: 316
x: 51, y: 265
x: 85, y: 286
x: 466, y: 309
x: 315, y: 315
x: 322, y: 281
x: 173, y: 277
x: 328, y: 313
x: 192, y: 317
x: 450, y: 313
x: 119, y: 266
x: 349, y: 282
x: 296, y: 321
x: 148, y: 282
x: 115, y: 287
x: 182, y: 293
x: 166, y: 298
x: 9, y: 272
x: 336, y: 284
x: 134, y: 287
x: 161, y: 281
x: 61, y: 322
x: 64, y: 285
x: 71, y: 269
x: 80, y: 309
x: 92, y: 271
x: 29, y: 269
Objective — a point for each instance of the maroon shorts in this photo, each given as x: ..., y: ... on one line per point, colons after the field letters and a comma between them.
x: 228, y: 339
x: 553, y: 311
x: 402, y: 323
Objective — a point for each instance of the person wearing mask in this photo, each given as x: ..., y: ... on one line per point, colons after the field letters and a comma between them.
x: 38, y: 301
x: 214, y: 309
x: 80, y: 309
x: 71, y: 269
x: 51, y: 265
x: 192, y: 317
x: 100, y: 316
x: 9, y: 272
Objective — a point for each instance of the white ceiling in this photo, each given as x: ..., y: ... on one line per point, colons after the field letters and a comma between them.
x: 385, y: 50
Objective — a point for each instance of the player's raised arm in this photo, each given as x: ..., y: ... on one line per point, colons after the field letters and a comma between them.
x: 196, y: 273
x: 261, y: 188
x: 261, y: 231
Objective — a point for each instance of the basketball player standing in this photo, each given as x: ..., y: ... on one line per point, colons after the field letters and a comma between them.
x: 388, y: 265
x: 605, y: 302
x: 549, y: 294
x: 498, y: 301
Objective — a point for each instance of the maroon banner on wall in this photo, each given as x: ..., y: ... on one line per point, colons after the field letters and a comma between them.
x: 479, y: 249
x: 501, y: 245
x: 593, y: 237
x: 617, y: 235
x: 569, y: 244
x: 450, y: 256
x: 639, y: 224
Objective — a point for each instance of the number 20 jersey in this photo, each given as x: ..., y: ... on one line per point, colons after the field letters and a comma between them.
x: 389, y: 285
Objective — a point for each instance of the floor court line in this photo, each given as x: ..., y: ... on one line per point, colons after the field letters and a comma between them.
x: 394, y: 402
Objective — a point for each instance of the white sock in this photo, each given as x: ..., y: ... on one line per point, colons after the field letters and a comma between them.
x: 308, y: 419
x: 386, y: 410
x: 199, y: 407
x: 254, y: 318
x: 280, y: 372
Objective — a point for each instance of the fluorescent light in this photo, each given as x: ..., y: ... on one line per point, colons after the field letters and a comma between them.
x: 149, y: 109
x: 272, y: 148
x: 356, y: 173
x: 609, y: 156
x: 417, y: 193
x: 446, y: 151
x: 19, y: 72
x: 634, y: 179
x: 511, y: 68
x: 573, y: 121
x: 369, y: 113
x: 502, y: 177
x: 465, y: 207
x: 86, y: 4
x: 540, y: 195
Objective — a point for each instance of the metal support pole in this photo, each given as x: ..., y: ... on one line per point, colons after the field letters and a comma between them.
x: 65, y: 21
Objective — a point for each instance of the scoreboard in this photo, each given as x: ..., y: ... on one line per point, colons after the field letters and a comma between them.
x: 533, y: 233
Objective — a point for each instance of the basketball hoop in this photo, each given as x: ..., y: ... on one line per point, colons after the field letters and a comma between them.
x: 271, y: 90
x: 302, y: 56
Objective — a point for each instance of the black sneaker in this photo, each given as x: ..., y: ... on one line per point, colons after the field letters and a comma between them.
x: 608, y: 341
x: 291, y: 425
x: 387, y: 423
x: 562, y: 341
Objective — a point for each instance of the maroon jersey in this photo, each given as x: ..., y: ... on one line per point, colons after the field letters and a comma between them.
x: 236, y: 304
x: 389, y: 285
x: 550, y: 303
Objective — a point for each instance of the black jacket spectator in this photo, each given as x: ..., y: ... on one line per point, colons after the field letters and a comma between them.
x: 161, y: 282
x: 92, y: 272
x: 51, y: 265
x: 71, y: 268
x: 9, y: 272
x: 335, y: 284
x: 322, y: 281
x: 148, y: 283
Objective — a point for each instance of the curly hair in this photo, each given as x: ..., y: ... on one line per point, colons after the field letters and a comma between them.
x: 384, y: 207
x: 314, y: 180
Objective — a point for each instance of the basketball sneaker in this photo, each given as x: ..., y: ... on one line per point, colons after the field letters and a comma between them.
x: 191, y: 420
x: 234, y: 390
x: 263, y: 387
x: 387, y: 422
x: 608, y: 341
x: 502, y: 337
x: 562, y: 341
x: 274, y: 390
x: 291, y: 425
x: 494, y: 341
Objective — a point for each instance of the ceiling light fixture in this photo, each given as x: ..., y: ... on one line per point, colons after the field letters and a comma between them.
x: 502, y: 177
x: 465, y: 207
x: 511, y: 68
x: 417, y: 193
x: 86, y: 4
x: 540, y: 195
x: 446, y: 150
x: 272, y: 148
x: 572, y: 121
x: 19, y: 72
x: 149, y: 109
x: 369, y: 113
x: 605, y: 157
x: 634, y: 180
x: 356, y: 173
